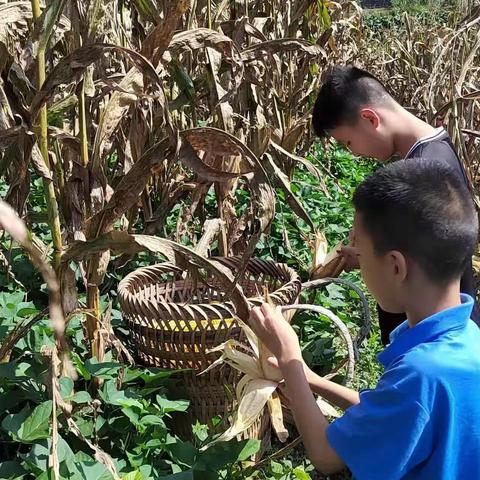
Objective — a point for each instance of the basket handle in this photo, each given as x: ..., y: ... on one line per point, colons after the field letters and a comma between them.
x: 339, y: 324
x: 366, y: 326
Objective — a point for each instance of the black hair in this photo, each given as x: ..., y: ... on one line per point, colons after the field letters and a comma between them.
x: 422, y: 208
x: 345, y: 91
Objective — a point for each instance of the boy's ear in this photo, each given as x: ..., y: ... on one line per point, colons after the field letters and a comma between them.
x: 399, y: 264
x: 371, y: 116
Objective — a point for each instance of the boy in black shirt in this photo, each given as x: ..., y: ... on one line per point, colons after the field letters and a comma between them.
x: 355, y: 109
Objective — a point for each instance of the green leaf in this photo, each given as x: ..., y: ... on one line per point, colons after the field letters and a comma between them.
x: 48, y: 20
x: 80, y: 366
x: 301, y: 474
x: 93, y: 470
x: 26, y: 312
x: 37, y: 458
x: 168, y: 406
x: 16, y: 371
x: 123, y: 398
x: 81, y: 397
x: 200, y: 431
x: 188, y: 475
x: 36, y: 426
x: 224, y: 453
x: 85, y: 425
x: 13, y: 423
x: 136, y: 475
x: 106, y: 370
x: 152, y: 420
x: 66, y: 387
x: 182, y: 452
x: 147, y: 375
x: 11, y: 470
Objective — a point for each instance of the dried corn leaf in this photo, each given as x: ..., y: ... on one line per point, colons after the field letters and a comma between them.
x: 178, y: 254
x: 255, y: 396
x: 258, y: 51
x: 45, y: 25
x: 11, y: 15
x: 72, y: 67
x: 282, y: 182
x: 10, y: 222
x: 188, y: 156
x: 325, y: 264
x: 127, y: 192
x: 276, y: 416
x: 160, y: 38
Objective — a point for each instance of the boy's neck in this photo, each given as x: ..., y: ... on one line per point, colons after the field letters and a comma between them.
x: 432, y: 300
x: 408, y: 129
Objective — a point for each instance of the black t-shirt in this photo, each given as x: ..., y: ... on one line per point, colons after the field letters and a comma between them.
x: 439, y: 147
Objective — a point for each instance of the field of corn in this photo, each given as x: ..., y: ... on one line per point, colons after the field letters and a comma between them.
x: 135, y: 132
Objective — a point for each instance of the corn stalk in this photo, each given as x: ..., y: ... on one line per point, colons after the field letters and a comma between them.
x: 48, y: 186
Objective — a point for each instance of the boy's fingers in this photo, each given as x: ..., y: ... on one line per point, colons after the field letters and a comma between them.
x: 267, y: 310
x: 256, y: 315
x: 272, y: 361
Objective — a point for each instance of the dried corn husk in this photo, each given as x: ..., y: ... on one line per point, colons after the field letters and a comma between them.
x: 325, y: 264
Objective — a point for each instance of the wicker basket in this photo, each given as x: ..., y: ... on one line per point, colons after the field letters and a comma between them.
x: 175, y: 319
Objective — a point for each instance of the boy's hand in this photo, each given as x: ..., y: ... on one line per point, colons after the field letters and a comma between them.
x: 349, y: 253
x: 276, y: 333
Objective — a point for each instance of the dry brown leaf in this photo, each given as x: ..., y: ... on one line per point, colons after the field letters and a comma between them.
x: 283, y: 45
x: 159, y: 39
x: 128, y: 191
x: 72, y: 67
x: 174, y: 252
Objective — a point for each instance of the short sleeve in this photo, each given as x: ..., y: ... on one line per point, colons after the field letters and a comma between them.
x: 387, y: 434
x: 442, y: 152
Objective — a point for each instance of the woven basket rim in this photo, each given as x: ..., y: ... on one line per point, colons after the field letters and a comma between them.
x: 132, y: 303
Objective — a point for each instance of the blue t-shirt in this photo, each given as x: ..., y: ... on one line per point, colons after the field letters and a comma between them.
x: 422, y: 421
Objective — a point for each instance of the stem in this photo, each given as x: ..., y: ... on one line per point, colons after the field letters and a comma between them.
x: 83, y: 125
x: 209, y: 13
x: 93, y: 304
x: 48, y: 186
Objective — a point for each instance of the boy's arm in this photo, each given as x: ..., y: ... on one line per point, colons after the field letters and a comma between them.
x: 278, y: 336
x: 310, y: 422
x: 339, y: 395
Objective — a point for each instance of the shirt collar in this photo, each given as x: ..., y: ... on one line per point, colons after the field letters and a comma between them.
x: 404, y: 337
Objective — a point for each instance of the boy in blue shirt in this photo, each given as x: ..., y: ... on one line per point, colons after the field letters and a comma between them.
x: 415, y: 229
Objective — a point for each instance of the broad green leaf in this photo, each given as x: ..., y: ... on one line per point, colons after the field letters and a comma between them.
x: 168, y: 406
x: 147, y: 375
x: 13, y: 423
x: 11, y: 470
x: 80, y: 366
x: 301, y: 474
x: 36, y: 426
x: 85, y: 425
x: 182, y: 452
x: 93, y: 470
x: 37, y: 458
x: 152, y: 420
x: 66, y: 387
x: 124, y: 398
x: 224, y: 453
x: 136, y: 475
x: 81, y: 397
x: 188, y: 475
x: 200, y: 431
x: 15, y: 371
x: 106, y: 370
